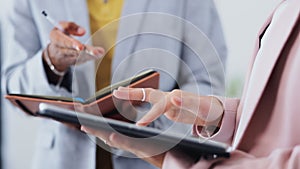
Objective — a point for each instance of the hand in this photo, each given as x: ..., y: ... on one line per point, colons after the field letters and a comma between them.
x: 177, y: 105
x: 144, y: 149
x: 65, y: 51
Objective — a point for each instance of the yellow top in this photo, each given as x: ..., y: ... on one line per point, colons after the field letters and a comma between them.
x: 104, y: 26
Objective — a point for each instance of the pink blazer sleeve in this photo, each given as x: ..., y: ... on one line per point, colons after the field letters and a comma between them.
x: 278, y: 159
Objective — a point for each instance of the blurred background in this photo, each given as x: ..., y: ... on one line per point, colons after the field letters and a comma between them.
x: 241, y: 21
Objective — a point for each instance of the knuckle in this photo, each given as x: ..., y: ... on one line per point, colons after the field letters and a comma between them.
x: 175, y: 92
x: 149, y: 90
x: 63, y: 23
x: 72, y: 23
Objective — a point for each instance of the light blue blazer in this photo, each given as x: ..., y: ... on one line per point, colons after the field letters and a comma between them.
x: 180, y: 38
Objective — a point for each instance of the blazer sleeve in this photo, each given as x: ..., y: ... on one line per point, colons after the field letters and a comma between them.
x: 278, y: 159
x: 204, y: 51
x: 23, y: 68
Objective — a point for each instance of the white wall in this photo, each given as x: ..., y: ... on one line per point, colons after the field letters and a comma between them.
x: 241, y: 22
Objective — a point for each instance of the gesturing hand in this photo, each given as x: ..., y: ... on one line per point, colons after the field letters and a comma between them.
x: 177, y: 105
x: 64, y: 51
x: 146, y: 149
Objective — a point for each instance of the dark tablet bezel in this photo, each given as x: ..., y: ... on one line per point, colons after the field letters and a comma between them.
x: 192, y: 146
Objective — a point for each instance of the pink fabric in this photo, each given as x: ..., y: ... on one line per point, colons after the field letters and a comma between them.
x: 265, y: 130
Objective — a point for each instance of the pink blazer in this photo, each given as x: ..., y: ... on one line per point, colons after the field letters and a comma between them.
x: 263, y: 127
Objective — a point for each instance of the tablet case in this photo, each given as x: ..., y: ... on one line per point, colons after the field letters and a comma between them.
x: 102, y: 101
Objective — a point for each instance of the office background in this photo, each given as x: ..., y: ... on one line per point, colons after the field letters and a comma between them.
x: 241, y: 21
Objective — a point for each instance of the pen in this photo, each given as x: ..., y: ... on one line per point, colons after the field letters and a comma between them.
x: 58, y: 26
x: 52, y: 21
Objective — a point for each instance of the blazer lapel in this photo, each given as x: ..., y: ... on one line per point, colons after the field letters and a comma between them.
x: 265, y: 61
x: 256, y: 48
x: 130, y: 26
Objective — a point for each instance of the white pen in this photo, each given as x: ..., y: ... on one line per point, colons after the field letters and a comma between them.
x: 58, y: 26
x: 52, y: 21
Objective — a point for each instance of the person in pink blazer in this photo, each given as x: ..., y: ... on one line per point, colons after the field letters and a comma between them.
x: 262, y: 127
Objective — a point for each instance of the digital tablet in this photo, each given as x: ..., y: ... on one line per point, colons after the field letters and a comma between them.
x: 190, y: 145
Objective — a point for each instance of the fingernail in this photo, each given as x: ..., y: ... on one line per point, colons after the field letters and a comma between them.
x: 138, y: 124
x: 141, y: 124
x: 76, y: 48
x: 83, y: 129
x: 80, y: 30
x: 90, y: 52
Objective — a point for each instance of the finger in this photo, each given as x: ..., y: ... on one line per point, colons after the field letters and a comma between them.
x: 156, y: 111
x: 102, y: 135
x: 142, y: 149
x: 88, y: 130
x: 139, y: 147
x: 126, y: 93
x: 121, y: 141
x: 62, y: 40
x: 72, y: 28
x: 173, y: 114
x: 115, y: 140
x: 66, y: 51
x: 94, y: 52
x: 133, y: 145
x: 90, y: 53
x: 151, y: 95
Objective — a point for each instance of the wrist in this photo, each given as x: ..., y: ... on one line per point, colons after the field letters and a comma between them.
x: 212, y: 126
x: 213, y: 110
x: 220, y: 111
x: 53, y: 67
x: 54, y: 76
